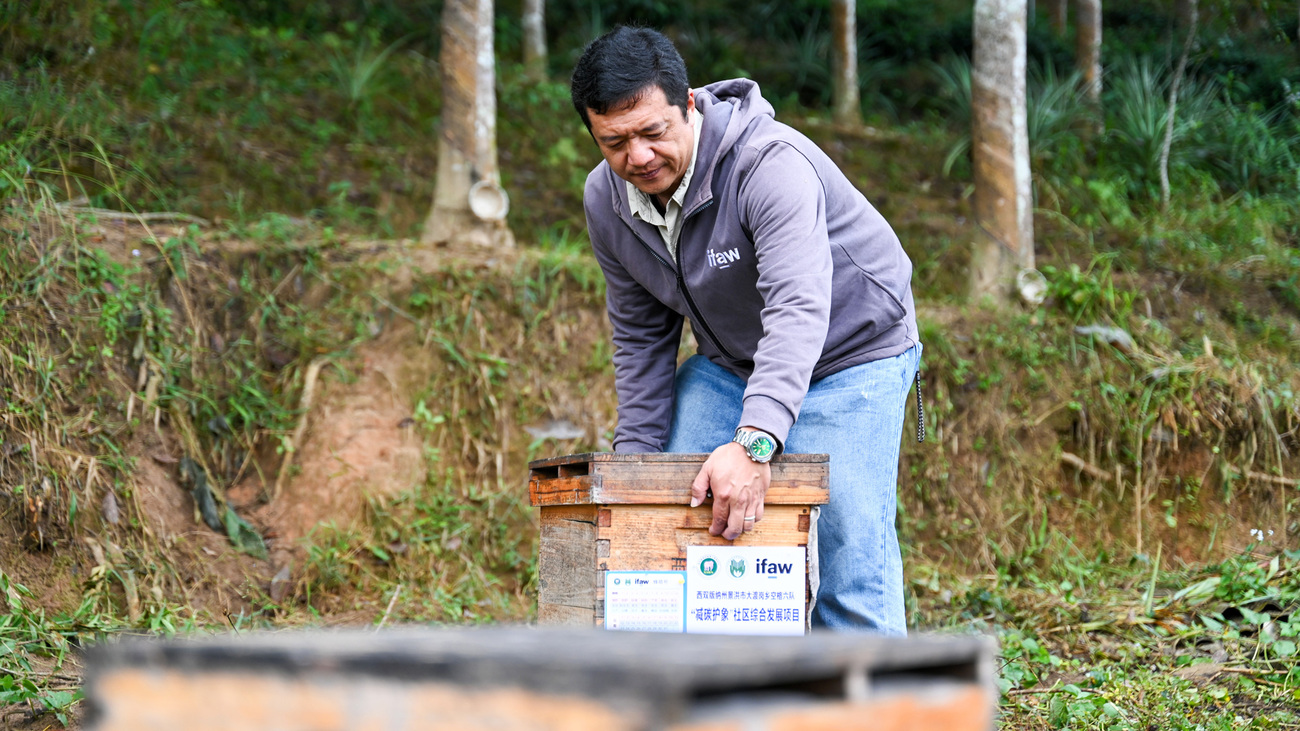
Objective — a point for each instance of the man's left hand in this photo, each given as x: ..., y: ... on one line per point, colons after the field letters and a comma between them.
x: 739, y: 487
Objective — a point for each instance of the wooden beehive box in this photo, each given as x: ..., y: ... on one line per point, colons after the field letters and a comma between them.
x: 539, y: 679
x: 631, y: 512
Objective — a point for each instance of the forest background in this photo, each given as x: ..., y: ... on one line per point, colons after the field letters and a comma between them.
x: 239, y: 393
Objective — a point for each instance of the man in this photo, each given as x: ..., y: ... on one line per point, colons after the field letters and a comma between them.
x: 796, y: 288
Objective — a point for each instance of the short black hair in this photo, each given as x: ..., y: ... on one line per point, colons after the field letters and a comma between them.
x: 617, y: 68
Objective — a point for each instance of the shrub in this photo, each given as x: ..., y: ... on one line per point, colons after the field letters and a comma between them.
x: 1137, y: 106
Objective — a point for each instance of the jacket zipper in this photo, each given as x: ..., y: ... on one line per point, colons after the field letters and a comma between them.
x: 686, y: 293
x: 681, y: 283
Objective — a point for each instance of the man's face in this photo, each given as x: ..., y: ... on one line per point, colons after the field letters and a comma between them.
x: 648, y: 143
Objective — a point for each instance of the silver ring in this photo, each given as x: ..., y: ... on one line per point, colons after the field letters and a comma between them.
x: 751, y: 518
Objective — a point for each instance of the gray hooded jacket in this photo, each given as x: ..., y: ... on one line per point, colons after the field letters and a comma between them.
x: 785, y: 270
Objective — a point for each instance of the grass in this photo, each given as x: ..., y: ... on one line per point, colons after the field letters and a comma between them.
x: 202, y: 339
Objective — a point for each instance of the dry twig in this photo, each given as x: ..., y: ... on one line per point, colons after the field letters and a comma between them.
x: 110, y: 214
x: 389, y: 610
x: 304, y: 406
x: 1088, y: 468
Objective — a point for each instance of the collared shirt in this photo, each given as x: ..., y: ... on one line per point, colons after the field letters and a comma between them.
x: 669, y: 221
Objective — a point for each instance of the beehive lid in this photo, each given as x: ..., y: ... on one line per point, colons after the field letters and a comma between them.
x: 657, y: 478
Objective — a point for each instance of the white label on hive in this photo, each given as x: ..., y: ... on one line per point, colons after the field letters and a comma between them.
x: 645, y: 601
x: 745, y: 590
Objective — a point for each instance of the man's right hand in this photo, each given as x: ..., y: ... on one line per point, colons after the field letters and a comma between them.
x: 739, y: 487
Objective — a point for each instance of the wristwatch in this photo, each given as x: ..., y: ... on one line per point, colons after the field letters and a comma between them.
x: 759, y: 445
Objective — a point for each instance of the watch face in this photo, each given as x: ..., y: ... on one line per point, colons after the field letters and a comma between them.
x: 762, y: 448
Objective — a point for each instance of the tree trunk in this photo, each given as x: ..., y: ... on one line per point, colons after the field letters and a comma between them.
x: 1000, y: 149
x: 844, y: 39
x: 1088, y: 46
x: 1059, y: 12
x: 1188, y: 14
x: 535, y: 38
x: 468, y: 203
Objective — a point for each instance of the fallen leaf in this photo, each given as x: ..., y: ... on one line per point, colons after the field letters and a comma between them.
x: 280, y: 584
x: 109, y: 508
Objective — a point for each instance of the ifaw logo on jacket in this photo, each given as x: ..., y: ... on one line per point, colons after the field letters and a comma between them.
x: 723, y: 259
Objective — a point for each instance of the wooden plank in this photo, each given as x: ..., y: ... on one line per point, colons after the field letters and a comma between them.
x: 566, y: 560
x: 320, y: 681
x: 638, y: 457
x: 945, y: 706
x: 562, y: 659
x: 669, y: 483
x: 560, y: 615
x: 655, y: 537
x: 561, y: 490
x: 134, y: 699
x: 581, y: 513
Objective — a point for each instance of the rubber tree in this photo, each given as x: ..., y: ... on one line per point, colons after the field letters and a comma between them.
x: 1058, y: 12
x: 535, y: 38
x: 844, y: 75
x: 1087, y: 47
x: 468, y: 202
x: 1000, y: 149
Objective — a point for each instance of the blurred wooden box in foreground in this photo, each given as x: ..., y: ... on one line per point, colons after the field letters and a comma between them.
x: 555, y: 679
x: 631, y: 512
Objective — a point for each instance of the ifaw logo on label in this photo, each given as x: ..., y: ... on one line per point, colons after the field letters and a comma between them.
x: 763, y: 566
x: 723, y: 259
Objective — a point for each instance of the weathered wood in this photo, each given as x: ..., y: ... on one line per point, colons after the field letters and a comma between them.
x: 655, y: 537
x: 619, y: 512
x: 945, y: 707
x: 561, y: 490
x: 577, y: 461
x: 575, y: 553
x: 802, y: 483
x: 561, y: 660
x: 663, y: 479
x: 175, y: 699
x: 561, y: 615
x: 522, y: 678
x: 566, y: 561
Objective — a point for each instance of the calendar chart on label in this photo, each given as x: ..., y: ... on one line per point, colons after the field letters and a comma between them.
x: 645, y: 601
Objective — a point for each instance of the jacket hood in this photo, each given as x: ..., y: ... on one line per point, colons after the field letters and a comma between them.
x: 742, y: 94
x: 729, y: 108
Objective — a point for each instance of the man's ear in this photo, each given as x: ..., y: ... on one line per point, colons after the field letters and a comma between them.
x: 690, y: 103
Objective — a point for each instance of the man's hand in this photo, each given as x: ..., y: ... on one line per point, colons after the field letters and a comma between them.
x: 739, y: 487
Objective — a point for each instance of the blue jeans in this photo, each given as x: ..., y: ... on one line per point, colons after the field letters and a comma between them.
x: 855, y: 416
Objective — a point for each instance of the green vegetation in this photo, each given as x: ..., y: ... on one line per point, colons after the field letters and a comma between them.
x: 1089, y: 643
x: 1107, y: 481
